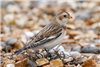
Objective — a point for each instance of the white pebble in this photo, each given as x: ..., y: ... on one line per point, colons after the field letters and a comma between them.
x: 8, y: 18
x: 10, y: 65
x: 13, y: 8
x: 29, y: 34
x: 75, y: 55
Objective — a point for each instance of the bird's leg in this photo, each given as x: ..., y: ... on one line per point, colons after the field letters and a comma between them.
x: 56, y: 50
x: 36, y: 54
x: 48, y: 53
x: 61, y: 55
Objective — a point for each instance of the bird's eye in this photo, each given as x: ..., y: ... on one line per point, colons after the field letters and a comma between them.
x: 64, y: 15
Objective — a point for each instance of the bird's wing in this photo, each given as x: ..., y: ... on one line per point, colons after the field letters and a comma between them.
x: 43, y: 41
x: 49, y: 31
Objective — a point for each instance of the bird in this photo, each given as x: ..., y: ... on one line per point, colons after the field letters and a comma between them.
x: 51, y: 35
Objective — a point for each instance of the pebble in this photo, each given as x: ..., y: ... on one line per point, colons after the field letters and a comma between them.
x: 75, y: 55
x: 79, y: 37
x: 13, y: 8
x: 60, y: 48
x: 41, y: 61
x: 2, y: 46
x: 36, y: 31
x: 74, y: 33
x: 19, y: 57
x: 56, y: 63
x: 23, y: 38
x: 29, y: 34
x: 6, y: 29
x: 95, y: 25
x: 21, y: 22
x: 21, y: 63
x: 10, y: 65
x: 68, y: 59
x: 91, y: 34
x: 84, y: 59
x: 46, y: 66
x: 89, y: 49
x: 32, y: 64
x: 73, y: 4
x: 8, y: 18
x: 11, y: 41
x: 69, y: 26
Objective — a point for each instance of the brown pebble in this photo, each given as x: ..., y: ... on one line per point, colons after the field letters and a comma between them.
x: 41, y: 61
x: 56, y: 63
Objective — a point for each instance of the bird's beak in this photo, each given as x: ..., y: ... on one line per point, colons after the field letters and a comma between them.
x: 69, y: 17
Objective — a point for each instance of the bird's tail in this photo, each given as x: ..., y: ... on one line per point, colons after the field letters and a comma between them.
x: 24, y: 48
x: 18, y: 51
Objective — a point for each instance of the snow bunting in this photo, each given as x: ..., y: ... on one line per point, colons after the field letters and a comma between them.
x: 51, y: 35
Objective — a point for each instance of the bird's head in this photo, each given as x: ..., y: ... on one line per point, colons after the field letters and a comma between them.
x: 62, y: 18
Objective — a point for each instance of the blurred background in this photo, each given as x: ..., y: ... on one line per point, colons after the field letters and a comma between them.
x: 21, y: 20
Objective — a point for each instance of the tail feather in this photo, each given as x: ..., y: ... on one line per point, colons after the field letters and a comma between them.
x: 18, y: 51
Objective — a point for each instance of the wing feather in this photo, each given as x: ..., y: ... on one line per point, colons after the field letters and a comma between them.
x: 46, y: 32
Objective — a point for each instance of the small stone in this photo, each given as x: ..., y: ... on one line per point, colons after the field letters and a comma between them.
x: 29, y: 23
x: 95, y: 25
x: 65, y: 41
x: 35, y: 27
x: 6, y: 29
x: 69, y: 65
x: 41, y: 61
x: 8, y: 18
x: 68, y: 60
x: 89, y: 49
x: 56, y: 63
x: 11, y: 41
x: 2, y: 64
x: 23, y: 38
x: 19, y: 57
x: 46, y: 66
x: 79, y: 65
x: 60, y: 48
x: 10, y: 65
x: 79, y: 23
x: 75, y: 55
x: 36, y: 31
x: 14, y: 32
x: 91, y: 34
x: 71, y: 27
x: 29, y: 34
x: 79, y: 37
x: 83, y: 59
x: 89, y: 63
x: 21, y: 63
x: 74, y: 33
x: 72, y: 4
x: 2, y: 46
x: 32, y: 64
x: 19, y: 45
x: 22, y: 21
x: 13, y: 8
